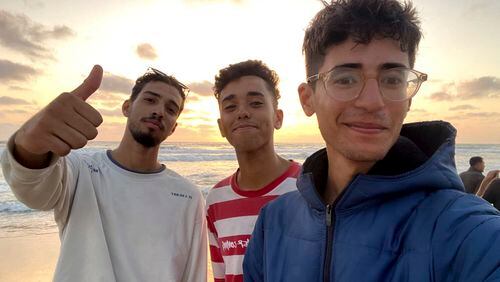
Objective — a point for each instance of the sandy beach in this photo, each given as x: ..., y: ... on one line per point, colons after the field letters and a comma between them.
x: 33, y: 258
x: 29, y: 258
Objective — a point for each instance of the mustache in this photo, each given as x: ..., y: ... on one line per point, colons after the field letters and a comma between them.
x: 156, y: 119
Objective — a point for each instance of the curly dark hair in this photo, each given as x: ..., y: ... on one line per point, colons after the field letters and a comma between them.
x: 361, y: 20
x: 156, y: 75
x: 249, y: 67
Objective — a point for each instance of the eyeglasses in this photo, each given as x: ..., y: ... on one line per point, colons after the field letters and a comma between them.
x: 346, y: 84
x: 173, y: 80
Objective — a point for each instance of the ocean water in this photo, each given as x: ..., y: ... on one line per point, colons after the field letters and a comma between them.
x: 203, y: 163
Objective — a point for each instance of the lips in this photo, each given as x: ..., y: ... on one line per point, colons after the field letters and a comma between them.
x: 243, y: 126
x: 154, y: 122
x: 366, y: 128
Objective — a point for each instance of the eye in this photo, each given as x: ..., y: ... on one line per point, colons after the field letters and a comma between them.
x: 343, y: 79
x: 392, y: 80
x: 149, y: 100
x: 256, y: 104
x: 229, y: 107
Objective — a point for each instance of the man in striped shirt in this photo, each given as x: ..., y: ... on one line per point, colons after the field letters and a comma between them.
x: 248, y: 95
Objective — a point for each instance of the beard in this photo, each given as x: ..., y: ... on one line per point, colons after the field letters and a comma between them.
x: 146, y: 139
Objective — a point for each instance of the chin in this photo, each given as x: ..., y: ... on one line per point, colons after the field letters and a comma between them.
x: 246, y: 144
x: 365, y: 152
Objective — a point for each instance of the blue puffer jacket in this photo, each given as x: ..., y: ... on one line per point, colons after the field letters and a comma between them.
x: 408, y: 219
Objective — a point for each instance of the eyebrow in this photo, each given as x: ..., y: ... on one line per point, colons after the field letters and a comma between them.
x: 255, y: 94
x: 169, y: 101
x: 249, y: 93
x: 152, y: 93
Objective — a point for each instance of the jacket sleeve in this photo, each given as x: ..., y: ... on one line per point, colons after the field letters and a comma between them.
x: 42, y: 189
x: 218, y: 266
x: 253, y: 263
x: 196, y: 267
x: 467, y: 244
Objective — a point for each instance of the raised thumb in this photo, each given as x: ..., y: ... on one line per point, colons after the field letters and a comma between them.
x: 90, y: 84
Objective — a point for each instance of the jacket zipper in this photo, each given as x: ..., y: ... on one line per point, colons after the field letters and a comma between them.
x: 330, y: 222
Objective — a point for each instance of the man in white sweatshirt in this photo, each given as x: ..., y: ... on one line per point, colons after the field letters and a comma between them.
x: 122, y: 216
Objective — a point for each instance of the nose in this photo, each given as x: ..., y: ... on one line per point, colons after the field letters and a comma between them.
x: 158, y: 112
x: 243, y: 112
x: 370, y: 97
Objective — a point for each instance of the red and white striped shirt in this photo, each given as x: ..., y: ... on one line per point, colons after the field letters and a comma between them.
x: 231, y: 217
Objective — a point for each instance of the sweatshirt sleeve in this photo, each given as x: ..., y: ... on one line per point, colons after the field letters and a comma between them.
x: 42, y: 189
x: 196, y: 268
x: 253, y: 263
x: 467, y: 244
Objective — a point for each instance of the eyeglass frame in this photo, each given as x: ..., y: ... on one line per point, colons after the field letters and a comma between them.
x: 159, y: 72
x: 421, y: 78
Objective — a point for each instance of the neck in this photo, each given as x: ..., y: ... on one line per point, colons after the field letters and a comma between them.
x: 341, y: 171
x: 259, y: 167
x: 135, y: 156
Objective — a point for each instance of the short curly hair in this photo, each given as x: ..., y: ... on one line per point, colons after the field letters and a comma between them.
x: 249, y: 67
x: 361, y: 20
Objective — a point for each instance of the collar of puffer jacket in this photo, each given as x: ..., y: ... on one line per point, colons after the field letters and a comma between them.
x: 422, y: 148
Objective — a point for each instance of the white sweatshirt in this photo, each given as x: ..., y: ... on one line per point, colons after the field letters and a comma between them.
x: 114, y: 224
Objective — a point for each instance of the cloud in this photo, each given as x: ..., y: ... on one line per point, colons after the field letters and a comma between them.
x: 418, y: 110
x: 19, y: 33
x: 116, y: 112
x: 146, y: 51
x: 21, y: 112
x: 463, y: 108
x: 117, y: 84
x: 475, y: 115
x: 213, y: 1
x: 480, y: 8
x: 18, y: 88
x: 204, y: 88
x: 6, y: 100
x: 10, y: 71
x: 33, y: 4
x: 483, y: 87
x: 480, y: 88
x: 441, y: 96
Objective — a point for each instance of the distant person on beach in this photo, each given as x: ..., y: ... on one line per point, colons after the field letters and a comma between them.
x: 474, y: 175
x: 247, y: 94
x: 122, y: 216
x: 382, y: 201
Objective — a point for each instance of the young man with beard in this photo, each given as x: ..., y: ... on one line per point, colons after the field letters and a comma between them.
x: 247, y: 94
x: 122, y: 216
x: 382, y: 201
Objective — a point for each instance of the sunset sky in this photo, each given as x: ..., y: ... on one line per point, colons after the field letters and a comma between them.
x: 48, y: 47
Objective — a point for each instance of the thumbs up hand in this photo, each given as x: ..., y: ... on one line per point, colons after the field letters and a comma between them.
x: 68, y: 122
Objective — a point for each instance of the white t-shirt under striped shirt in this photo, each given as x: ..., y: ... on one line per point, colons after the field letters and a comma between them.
x: 231, y: 217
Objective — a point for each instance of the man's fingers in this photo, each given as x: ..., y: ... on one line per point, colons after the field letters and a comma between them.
x: 89, y: 113
x: 82, y: 125
x: 58, y: 146
x: 90, y: 84
x: 71, y: 137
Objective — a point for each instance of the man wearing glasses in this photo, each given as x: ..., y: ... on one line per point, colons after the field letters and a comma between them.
x: 122, y: 216
x: 382, y: 201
